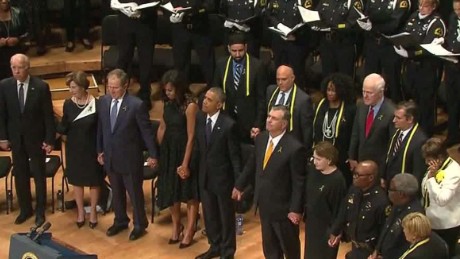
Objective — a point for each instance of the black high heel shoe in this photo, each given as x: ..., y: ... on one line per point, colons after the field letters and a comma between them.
x: 195, y: 229
x: 175, y: 241
x: 92, y: 225
x: 80, y: 223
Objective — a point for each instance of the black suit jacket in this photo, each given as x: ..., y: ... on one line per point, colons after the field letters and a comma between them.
x: 435, y: 248
x: 36, y: 124
x: 249, y: 98
x: 219, y: 162
x: 375, y: 146
x: 302, y: 117
x: 123, y: 148
x: 414, y: 161
x: 279, y: 188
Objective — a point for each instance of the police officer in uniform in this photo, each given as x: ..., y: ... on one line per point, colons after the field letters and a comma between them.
x: 452, y: 77
x: 293, y: 49
x: 403, y: 194
x: 362, y: 213
x: 423, y: 70
x: 136, y: 29
x: 191, y: 29
x: 244, y: 16
x: 244, y: 81
x: 384, y: 17
x: 338, y: 35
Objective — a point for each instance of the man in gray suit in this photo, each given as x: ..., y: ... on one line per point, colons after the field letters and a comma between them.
x: 373, y: 125
x: 123, y: 131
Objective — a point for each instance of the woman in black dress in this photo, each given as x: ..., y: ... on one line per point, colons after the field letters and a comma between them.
x: 176, y: 183
x: 325, y: 191
x: 334, y: 117
x: 79, y: 123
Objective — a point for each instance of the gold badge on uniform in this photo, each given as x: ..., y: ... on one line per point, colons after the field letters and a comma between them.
x: 404, y: 4
x: 275, y: 5
x: 387, y: 210
x: 358, y: 5
x: 263, y: 2
x: 438, y: 32
x: 308, y: 4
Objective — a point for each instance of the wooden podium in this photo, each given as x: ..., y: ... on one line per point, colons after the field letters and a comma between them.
x: 46, y: 247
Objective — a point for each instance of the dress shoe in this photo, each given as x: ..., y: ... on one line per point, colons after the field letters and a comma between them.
x: 87, y: 44
x: 70, y: 46
x: 22, y: 218
x: 39, y: 219
x: 80, y: 223
x: 209, y: 254
x: 136, y: 234
x: 92, y: 225
x: 183, y: 245
x: 115, y: 229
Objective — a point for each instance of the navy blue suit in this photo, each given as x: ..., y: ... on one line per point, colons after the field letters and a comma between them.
x: 123, y: 155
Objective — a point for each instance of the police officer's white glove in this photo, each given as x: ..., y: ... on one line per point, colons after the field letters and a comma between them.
x: 401, y: 51
x: 325, y: 29
x: 176, y: 17
x: 228, y: 24
x: 438, y: 41
x: 242, y: 27
x: 365, y: 24
x: 315, y: 28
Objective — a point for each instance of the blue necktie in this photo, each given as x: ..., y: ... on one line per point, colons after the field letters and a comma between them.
x: 208, y: 130
x: 21, y: 97
x: 113, y: 114
x: 237, y: 76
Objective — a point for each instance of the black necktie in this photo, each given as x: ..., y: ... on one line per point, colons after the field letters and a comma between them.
x: 282, y: 99
x: 208, y: 130
x: 113, y: 114
x: 398, y: 143
x: 21, y: 97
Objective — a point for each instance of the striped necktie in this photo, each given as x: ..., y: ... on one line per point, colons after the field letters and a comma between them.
x: 237, y: 76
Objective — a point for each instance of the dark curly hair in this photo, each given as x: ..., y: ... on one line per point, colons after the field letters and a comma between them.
x: 344, y: 86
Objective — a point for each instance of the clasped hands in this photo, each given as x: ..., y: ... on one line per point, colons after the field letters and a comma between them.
x: 239, y: 26
x: 152, y: 162
x: 9, y: 41
x: 183, y: 172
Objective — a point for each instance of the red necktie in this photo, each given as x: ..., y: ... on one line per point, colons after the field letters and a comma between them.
x: 369, y: 121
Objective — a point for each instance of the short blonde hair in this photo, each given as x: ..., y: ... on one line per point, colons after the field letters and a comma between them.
x: 417, y: 224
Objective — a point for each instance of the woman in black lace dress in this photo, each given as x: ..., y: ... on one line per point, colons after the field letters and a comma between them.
x: 79, y: 124
x: 334, y: 117
x: 176, y: 183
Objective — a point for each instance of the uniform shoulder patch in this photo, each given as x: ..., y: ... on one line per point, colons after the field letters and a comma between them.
x: 387, y: 210
x: 308, y: 4
x: 439, y: 32
x: 358, y: 5
x: 404, y: 4
x: 263, y: 2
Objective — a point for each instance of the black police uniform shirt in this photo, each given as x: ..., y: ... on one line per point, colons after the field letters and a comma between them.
x: 425, y: 30
x: 239, y: 10
x: 286, y: 11
x: 338, y: 14
x: 387, y: 17
x: 452, y: 39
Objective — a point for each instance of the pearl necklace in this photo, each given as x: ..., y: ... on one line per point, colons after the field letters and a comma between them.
x: 75, y: 100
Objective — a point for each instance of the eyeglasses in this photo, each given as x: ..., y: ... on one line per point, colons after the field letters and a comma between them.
x: 357, y: 175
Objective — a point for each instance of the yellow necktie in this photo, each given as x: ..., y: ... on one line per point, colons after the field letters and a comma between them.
x: 268, y: 153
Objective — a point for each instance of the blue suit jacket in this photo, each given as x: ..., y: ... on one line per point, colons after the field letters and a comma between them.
x: 123, y: 148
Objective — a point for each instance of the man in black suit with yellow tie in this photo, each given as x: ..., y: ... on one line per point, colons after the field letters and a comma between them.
x: 278, y: 165
x: 217, y: 152
x: 244, y: 81
x: 298, y: 102
x: 373, y: 126
x: 27, y: 127
x: 405, y: 149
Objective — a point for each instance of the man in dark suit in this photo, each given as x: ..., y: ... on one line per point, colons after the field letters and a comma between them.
x: 298, y: 102
x: 373, y: 127
x: 124, y: 130
x: 244, y: 81
x: 27, y: 127
x: 278, y: 166
x: 218, y: 154
x: 405, y: 149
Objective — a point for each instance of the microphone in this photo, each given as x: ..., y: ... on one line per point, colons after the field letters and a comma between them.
x: 33, y: 230
x: 45, y: 227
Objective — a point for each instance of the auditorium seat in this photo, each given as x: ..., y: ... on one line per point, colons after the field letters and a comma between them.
x: 152, y: 174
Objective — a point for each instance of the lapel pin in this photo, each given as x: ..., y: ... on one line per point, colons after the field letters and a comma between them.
x: 280, y: 149
x: 124, y: 108
x: 380, y: 117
